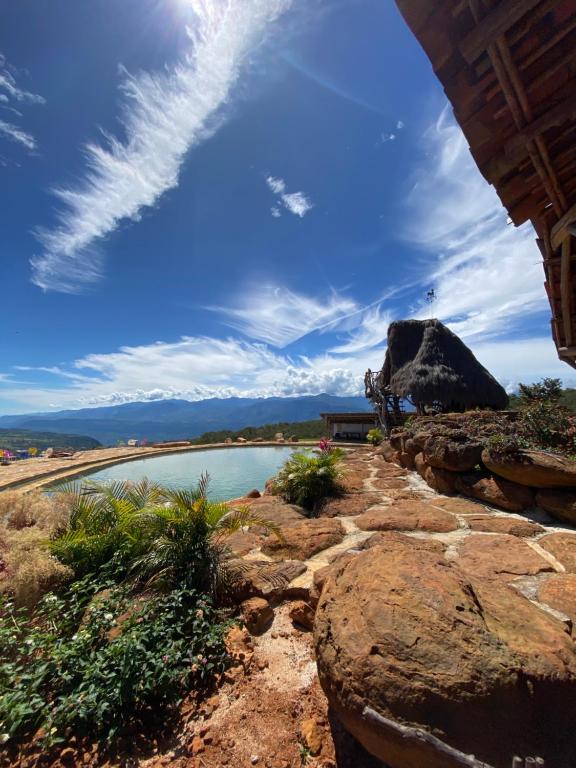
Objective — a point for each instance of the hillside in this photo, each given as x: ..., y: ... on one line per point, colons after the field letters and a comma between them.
x: 22, y: 439
x: 181, y: 419
x: 300, y: 429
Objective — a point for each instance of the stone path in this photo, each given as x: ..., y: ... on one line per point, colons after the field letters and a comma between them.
x: 530, y: 551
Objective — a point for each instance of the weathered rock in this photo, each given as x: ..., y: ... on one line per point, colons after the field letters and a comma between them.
x: 536, y: 469
x: 385, y: 450
x: 228, y: 441
x: 411, y: 447
x: 406, y: 640
x: 559, y: 504
x: 496, y: 491
x: 509, y: 525
x: 253, y: 494
x: 389, y: 483
x: 503, y: 557
x: 302, y: 540
x: 407, y: 460
x: 420, y: 439
x: 559, y: 592
x: 302, y: 614
x: 440, y: 480
x: 460, y: 506
x: 241, y: 440
x: 391, y: 539
x: 349, y: 505
x: 276, y: 511
x: 312, y: 736
x: 242, y: 542
x: 258, y: 439
x: 563, y: 547
x: 420, y: 464
x: 263, y: 579
x: 397, y: 439
x: 258, y: 615
x: 409, y: 516
x: 322, y: 574
x: 354, y: 482
x: 455, y: 456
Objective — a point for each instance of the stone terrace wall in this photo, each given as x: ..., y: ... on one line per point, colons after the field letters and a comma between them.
x: 454, y: 454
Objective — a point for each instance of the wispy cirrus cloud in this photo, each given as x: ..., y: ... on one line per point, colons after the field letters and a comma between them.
x: 297, y: 203
x: 280, y: 317
x: 13, y: 133
x: 11, y: 93
x: 487, y: 275
x: 164, y: 114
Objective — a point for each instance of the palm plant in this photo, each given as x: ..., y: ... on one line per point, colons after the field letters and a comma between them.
x: 162, y: 537
x: 307, y: 480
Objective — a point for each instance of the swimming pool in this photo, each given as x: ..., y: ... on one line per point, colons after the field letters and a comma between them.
x: 233, y: 471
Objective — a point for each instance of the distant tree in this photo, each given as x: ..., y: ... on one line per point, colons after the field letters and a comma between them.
x: 546, y: 391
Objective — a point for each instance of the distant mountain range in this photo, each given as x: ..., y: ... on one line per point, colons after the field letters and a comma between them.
x: 182, y: 419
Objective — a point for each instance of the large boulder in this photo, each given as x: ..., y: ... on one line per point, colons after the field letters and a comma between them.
x: 302, y: 540
x: 563, y: 547
x: 496, y: 491
x: 250, y: 578
x: 559, y: 504
x: 453, y: 455
x: 536, y: 469
x: 348, y: 505
x: 425, y: 664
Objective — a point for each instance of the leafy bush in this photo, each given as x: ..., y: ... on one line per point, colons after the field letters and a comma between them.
x: 148, y: 533
x: 102, y: 673
x: 543, y: 421
x: 307, y: 479
x: 375, y: 436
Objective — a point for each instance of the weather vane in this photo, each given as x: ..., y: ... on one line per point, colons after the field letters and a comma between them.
x: 430, y: 299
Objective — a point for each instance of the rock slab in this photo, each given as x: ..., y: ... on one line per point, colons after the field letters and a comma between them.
x: 413, y: 654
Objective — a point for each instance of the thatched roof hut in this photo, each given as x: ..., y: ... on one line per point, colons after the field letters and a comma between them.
x: 431, y: 366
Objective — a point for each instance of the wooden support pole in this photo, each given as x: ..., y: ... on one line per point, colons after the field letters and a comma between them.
x: 559, y: 230
x: 566, y: 289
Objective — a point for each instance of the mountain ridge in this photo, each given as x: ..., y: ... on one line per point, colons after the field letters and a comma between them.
x: 182, y: 419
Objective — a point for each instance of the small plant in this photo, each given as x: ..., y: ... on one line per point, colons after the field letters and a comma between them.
x: 102, y: 675
x: 543, y: 421
x: 151, y: 534
x: 308, y: 479
x: 375, y: 436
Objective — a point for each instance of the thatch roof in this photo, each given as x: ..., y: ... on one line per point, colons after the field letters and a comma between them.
x: 509, y: 69
x: 429, y: 364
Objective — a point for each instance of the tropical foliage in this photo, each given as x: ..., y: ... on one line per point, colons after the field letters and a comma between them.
x: 307, y: 479
x: 100, y: 674
x: 303, y: 430
x: 375, y: 436
x: 146, y: 533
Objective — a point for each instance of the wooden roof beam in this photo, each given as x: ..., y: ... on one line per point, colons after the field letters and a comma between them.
x: 495, y: 24
x: 566, y: 289
x: 557, y: 116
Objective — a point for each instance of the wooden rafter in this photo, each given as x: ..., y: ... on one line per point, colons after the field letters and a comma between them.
x: 495, y: 24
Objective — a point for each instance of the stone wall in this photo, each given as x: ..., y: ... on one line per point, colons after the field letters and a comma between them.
x: 459, y: 454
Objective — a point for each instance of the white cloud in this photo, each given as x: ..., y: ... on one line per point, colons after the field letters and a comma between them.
x: 278, y: 186
x: 487, y: 275
x: 386, y: 137
x: 279, y: 317
x: 12, y: 93
x: 371, y: 331
x: 276, y: 212
x: 296, y: 202
x: 11, y: 132
x: 192, y: 368
x: 399, y: 125
x: 164, y: 115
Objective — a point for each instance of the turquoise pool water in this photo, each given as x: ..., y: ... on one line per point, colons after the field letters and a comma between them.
x: 233, y: 471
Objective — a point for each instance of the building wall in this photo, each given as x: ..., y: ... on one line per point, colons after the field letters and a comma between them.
x: 355, y: 429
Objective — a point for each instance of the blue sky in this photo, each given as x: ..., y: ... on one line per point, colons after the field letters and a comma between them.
x: 215, y: 197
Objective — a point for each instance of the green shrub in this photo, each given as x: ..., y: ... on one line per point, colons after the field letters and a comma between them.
x: 543, y: 421
x: 375, y: 436
x: 100, y: 675
x: 308, y: 479
x: 148, y: 533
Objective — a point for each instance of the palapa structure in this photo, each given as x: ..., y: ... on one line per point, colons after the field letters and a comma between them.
x: 432, y: 368
x: 509, y: 69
